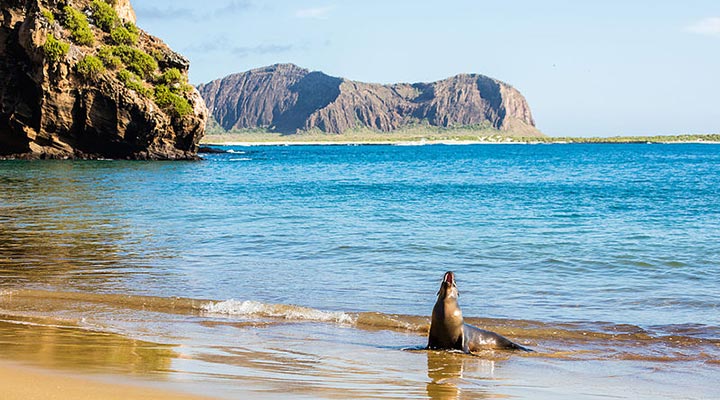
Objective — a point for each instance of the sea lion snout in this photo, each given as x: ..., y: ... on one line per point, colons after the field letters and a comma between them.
x: 449, y: 278
x: 448, y: 287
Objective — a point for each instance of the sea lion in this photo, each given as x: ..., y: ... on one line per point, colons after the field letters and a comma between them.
x: 448, y: 331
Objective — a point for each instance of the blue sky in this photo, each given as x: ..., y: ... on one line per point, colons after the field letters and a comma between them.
x: 587, y: 68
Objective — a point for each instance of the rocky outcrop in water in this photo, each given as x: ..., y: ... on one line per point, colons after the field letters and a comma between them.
x: 79, y: 80
x: 289, y: 99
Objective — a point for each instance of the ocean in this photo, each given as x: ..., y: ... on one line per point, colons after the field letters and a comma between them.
x: 311, y: 271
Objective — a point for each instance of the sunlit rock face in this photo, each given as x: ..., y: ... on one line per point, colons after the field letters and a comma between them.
x: 286, y: 98
x: 56, y: 103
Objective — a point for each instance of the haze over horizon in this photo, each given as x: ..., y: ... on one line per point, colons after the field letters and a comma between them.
x: 604, y: 69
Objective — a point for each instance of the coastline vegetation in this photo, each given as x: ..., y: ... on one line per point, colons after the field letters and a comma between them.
x: 48, y: 15
x: 104, y: 15
x: 109, y: 59
x: 120, y: 51
x: 90, y: 67
x: 136, y: 60
x: 134, y: 83
x: 215, y: 134
x: 685, y: 138
x: 121, y: 35
x: 79, y: 26
x: 54, y: 49
x: 169, y: 99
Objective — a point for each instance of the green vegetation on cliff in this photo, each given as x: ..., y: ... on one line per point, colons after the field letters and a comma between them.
x: 109, y: 59
x: 134, y: 83
x: 90, y: 67
x: 166, y: 98
x: 170, y: 77
x: 170, y: 90
x: 79, y: 27
x: 121, y: 35
x: 121, y: 52
x: 136, y: 60
x: 48, y: 16
x: 55, y: 50
x: 104, y: 15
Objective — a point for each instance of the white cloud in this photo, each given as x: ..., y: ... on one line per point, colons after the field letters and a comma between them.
x: 314, y: 13
x: 168, y: 13
x: 230, y: 7
x: 223, y: 45
x: 707, y: 26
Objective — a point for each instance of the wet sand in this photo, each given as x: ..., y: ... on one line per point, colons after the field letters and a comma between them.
x: 25, y: 383
x: 105, y: 345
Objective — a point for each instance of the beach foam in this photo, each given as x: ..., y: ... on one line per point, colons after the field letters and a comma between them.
x: 290, y: 312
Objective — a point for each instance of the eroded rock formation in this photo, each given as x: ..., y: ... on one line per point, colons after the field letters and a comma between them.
x: 286, y: 98
x: 115, y: 92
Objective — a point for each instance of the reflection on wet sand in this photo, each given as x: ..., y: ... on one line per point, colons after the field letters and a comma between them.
x: 446, y: 371
x: 62, y: 228
x: 46, y: 344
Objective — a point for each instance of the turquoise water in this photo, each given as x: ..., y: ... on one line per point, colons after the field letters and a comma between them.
x: 591, y: 235
x: 617, y: 233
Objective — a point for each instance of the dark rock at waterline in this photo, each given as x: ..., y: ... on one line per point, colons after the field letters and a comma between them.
x: 210, y: 150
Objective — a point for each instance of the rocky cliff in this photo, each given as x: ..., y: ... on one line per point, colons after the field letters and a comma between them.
x: 288, y: 99
x: 78, y: 79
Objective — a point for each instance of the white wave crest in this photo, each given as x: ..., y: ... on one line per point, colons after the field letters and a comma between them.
x: 290, y: 312
x: 231, y: 151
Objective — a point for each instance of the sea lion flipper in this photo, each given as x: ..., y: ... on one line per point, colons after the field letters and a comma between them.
x: 481, y: 339
x: 515, y: 346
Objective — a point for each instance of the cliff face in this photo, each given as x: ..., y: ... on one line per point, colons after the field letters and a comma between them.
x: 289, y: 99
x: 79, y: 80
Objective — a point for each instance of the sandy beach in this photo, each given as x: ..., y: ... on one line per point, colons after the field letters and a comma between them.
x: 355, y: 143
x: 270, y: 139
x: 20, y: 382
x: 273, y: 139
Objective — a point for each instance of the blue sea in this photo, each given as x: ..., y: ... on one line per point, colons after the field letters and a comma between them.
x: 345, y: 246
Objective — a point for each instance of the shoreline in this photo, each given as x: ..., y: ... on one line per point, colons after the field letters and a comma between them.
x: 300, y: 140
x: 349, y: 143
x: 22, y: 382
x: 424, y: 143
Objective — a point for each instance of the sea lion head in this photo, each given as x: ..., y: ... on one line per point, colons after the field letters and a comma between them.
x: 448, y: 288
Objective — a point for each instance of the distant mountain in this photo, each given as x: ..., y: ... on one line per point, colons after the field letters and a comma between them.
x: 288, y: 99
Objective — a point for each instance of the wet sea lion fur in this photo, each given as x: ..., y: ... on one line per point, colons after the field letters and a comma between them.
x: 448, y: 331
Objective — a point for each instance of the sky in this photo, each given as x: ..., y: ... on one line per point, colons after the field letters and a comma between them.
x: 587, y: 68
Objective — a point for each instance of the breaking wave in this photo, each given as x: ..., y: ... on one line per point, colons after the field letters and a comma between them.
x: 579, y: 340
x: 284, y: 311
